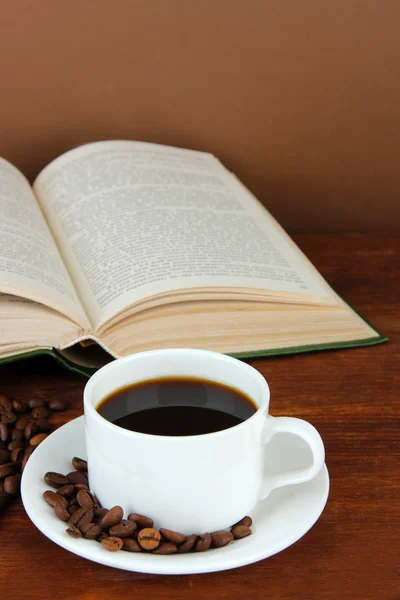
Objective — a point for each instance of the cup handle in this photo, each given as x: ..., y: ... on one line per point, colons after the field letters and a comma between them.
x: 310, y: 435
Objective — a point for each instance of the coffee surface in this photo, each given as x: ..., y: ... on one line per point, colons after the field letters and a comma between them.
x: 177, y: 406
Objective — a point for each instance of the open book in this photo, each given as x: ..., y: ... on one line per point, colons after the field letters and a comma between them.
x: 126, y: 246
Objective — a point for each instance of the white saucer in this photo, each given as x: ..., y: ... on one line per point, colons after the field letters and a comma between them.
x: 279, y: 521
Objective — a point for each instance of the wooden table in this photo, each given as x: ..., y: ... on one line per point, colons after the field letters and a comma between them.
x: 352, y: 552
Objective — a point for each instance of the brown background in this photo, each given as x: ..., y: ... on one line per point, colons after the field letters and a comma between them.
x: 300, y: 99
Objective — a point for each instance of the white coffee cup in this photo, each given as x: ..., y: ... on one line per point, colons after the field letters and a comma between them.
x: 191, y: 484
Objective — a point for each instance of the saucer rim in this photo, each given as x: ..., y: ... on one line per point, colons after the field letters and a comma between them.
x: 183, y: 564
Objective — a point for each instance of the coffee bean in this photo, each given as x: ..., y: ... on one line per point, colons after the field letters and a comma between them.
x: 4, y: 456
x: 3, y: 432
x: 17, y: 454
x: 38, y: 439
x: 54, y: 499
x: 221, y: 538
x: 73, y: 531
x: 79, y: 464
x: 77, y: 516
x: 22, y: 422
x: 61, y: 512
x: 57, y: 405
x: 16, y: 434
x: 5, y: 499
x: 166, y: 548
x: 55, y: 480
x: 131, y: 545
x: 140, y: 520
x: 112, y: 517
x: 85, y: 499
x: 40, y: 412
x: 35, y: 402
x: 5, y: 403
x: 149, y: 538
x: 44, y: 425
x: 8, y: 417
x: 31, y: 429
x: 66, y: 490
x: 203, y: 543
x: 85, y: 526
x: 93, y: 532
x: 240, y: 531
x: 173, y: 536
x: 77, y: 477
x: 12, y: 485
x: 19, y: 406
x: 246, y: 521
x: 123, y: 529
x: 7, y: 469
x: 112, y: 544
x: 15, y: 444
x: 99, y: 513
x: 85, y: 519
x: 188, y: 545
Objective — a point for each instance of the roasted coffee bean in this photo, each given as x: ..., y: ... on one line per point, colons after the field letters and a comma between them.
x: 246, y: 521
x: 19, y: 406
x: 149, y: 538
x: 112, y: 517
x: 188, y: 545
x: 173, y: 536
x: 12, y: 485
x: 79, y: 464
x: 203, y: 543
x: 77, y: 477
x: 44, y: 425
x: 77, y: 516
x: 240, y: 531
x: 38, y: 439
x: 7, y: 469
x: 66, y: 490
x: 61, y: 512
x: 123, y: 529
x: 31, y: 429
x: 93, y: 532
x: 140, y: 520
x: 17, y: 434
x: 5, y: 403
x: 113, y: 544
x: 73, y: 531
x: 54, y: 499
x: 85, y: 499
x: 3, y: 432
x: 4, y: 456
x: 24, y: 461
x: 15, y: 444
x: 221, y: 538
x: 21, y: 423
x: 5, y: 499
x: 166, y: 548
x: 131, y: 545
x: 8, y: 417
x: 35, y: 402
x: 85, y: 526
x: 40, y: 412
x: 85, y: 520
x: 57, y: 405
x: 17, y: 454
x: 82, y: 486
x: 55, y: 480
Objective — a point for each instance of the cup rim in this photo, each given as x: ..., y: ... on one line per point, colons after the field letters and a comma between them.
x: 90, y: 408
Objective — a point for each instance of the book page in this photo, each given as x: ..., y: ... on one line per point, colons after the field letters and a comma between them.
x: 136, y: 219
x: 30, y: 264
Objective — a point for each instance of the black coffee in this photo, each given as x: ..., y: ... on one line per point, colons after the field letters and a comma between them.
x: 177, y: 406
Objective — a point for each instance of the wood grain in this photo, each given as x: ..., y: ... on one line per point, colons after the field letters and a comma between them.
x: 351, y: 396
